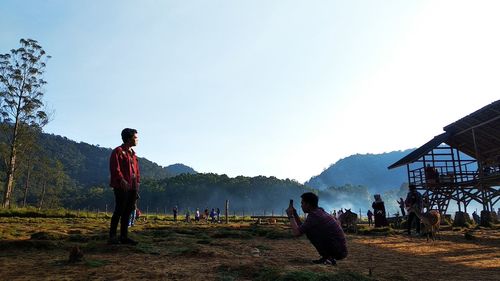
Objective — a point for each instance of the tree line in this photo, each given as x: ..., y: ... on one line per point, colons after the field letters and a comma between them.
x: 48, y: 171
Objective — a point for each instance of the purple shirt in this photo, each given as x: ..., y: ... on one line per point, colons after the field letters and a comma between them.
x: 325, y: 230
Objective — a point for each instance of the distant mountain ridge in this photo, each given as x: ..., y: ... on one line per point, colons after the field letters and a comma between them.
x: 178, y: 168
x: 368, y: 170
x: 89, y: 164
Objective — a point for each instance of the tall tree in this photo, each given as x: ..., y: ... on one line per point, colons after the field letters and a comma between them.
x: 21, y: 93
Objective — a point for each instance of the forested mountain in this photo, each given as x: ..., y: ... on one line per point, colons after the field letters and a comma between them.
x: 177, y: 169
x: 57, y: 172
x: 89, y: 164
x: 368, y: 170
x: 191, y: 191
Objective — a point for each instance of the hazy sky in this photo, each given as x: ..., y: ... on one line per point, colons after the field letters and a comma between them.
x: 274, y: 88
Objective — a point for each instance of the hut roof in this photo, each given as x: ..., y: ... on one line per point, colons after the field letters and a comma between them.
x: 477, y: 135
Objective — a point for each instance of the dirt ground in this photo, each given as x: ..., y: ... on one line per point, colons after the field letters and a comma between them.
x: 38, y: 249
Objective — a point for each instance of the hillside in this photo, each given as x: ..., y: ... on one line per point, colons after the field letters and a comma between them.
x: 76, y: 176
x: 368, y: 170
x: 178, y: 169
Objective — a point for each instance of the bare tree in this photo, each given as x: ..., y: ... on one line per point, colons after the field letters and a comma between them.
x: 21, y: 93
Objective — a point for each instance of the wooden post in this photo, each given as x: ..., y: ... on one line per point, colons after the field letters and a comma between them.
x: 227, y: 207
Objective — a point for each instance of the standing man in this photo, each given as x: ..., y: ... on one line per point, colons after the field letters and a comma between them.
x: 321, y: 228
x: 401, y: 203
x: 175, y: 210
x: 369, y: 214
x: 125, y: 179
x: 413, y: 203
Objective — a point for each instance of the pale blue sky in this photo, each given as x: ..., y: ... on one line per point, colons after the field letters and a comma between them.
x: 281, y: 88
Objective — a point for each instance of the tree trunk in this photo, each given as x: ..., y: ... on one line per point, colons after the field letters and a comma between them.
x: 27, y: 184
x: 43, y: 195
x: 9, y: 183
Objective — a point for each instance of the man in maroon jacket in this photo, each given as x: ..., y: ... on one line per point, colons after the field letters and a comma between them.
x: 125, y: 178
x: 321, y: 228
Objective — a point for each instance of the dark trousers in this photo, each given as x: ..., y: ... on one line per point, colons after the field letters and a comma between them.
x: 412, y: 217
x: 325, y: 247
x: 124, y: 204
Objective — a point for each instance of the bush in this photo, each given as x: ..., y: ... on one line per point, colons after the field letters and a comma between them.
x: 31, y: 212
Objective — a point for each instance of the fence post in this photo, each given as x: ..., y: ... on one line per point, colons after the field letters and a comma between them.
x: 227, y: 207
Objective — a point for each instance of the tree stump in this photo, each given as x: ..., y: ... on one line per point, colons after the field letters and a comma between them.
x: 461, y: 219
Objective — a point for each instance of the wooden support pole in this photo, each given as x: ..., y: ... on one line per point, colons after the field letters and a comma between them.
x: 226, y: 208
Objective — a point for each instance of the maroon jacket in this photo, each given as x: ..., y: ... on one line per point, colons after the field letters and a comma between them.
x: 123, y: 164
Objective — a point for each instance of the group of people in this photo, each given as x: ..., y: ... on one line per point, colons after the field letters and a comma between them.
x: 213, y: 216
x: 320, y: 227
x: 413, y: 203
x: 378, y: 213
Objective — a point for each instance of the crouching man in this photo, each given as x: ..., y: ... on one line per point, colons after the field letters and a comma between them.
x: 320, y: 228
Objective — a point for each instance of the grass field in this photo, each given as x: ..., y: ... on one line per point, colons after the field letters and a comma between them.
x: 38, y: 249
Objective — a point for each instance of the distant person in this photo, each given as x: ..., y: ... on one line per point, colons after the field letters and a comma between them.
x: 133, y: 217
x: 414, y: 203
x: 476, y: 218
x: 175, y: 210
x: 379, y: 211
x: 125, y: 179
x: 212, y: 215
x: 369, y: 214
x: 188, y: 216
x: 401, y: 203
x: 431, y: 175
x: 334, y: 213
x: 137, y: 214
x: 197, y: 215
x: 426, y: 203
x: 322, y: 230
x: 218, y: 214
x: 205, y: 214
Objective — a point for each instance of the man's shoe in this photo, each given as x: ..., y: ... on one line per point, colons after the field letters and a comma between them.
x: 113, y: 241
x: 326, y: 261
x: 129, y: 241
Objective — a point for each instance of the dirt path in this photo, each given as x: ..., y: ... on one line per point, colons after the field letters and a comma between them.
x: 187, y: 252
